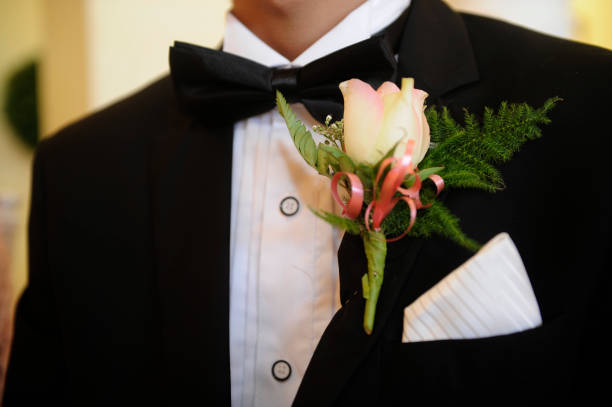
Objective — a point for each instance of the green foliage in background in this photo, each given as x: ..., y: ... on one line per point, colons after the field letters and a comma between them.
x: 20, y: 103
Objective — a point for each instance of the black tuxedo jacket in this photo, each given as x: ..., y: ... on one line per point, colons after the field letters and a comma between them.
x: 127, y: 301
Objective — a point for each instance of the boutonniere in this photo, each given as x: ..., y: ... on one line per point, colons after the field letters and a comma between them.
x: 390, y: 157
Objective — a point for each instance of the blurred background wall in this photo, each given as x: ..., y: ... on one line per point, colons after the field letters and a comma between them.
x: 20, y: 41
x: 93, y: 52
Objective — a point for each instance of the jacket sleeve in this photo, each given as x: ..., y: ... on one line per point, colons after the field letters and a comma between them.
x: 35, y: 374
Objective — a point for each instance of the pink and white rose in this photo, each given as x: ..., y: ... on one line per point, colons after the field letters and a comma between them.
x: 375, y: 120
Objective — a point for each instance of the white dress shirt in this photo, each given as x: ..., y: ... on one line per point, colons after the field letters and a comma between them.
x: 283, y: 269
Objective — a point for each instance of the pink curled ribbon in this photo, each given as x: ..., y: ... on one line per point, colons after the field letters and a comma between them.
x: 386, y: 199
x: 352, y: 208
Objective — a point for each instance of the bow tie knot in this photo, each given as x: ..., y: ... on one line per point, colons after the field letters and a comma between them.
x: 220, y: 87
x: 286, y: 81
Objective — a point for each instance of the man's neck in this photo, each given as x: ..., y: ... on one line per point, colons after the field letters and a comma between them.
x: 291, y: 26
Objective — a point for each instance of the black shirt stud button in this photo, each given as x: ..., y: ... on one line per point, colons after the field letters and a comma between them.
x: 281, y: 370
x: 289, y: 206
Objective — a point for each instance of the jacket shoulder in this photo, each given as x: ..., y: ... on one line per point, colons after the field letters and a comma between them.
x: 119, y: 126
x: 108, y: 153
x: 521, y: 65
x: 505, y: 43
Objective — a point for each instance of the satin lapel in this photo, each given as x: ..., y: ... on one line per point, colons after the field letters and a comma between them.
x: 436, y: 51
x: 191, y: 203
x: 344, y: 344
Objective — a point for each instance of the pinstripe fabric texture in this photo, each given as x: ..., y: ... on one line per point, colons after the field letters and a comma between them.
x: 488, y: 295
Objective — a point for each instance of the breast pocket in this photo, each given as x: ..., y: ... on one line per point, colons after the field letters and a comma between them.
x: 540, y: 364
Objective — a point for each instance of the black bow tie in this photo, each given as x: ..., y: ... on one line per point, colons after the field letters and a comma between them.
x: 220, y: 87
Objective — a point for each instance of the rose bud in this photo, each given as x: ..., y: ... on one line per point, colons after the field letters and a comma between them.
x: 375, y: 121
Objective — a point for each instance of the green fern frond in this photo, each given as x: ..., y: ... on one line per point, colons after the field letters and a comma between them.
x: 301, y: 136
x: 470, y: 152
x: 435, y: 220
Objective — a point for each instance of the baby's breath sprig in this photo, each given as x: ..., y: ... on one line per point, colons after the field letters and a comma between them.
x: 333, y: 133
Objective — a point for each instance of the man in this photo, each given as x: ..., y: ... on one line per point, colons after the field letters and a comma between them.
x: 129, y: 298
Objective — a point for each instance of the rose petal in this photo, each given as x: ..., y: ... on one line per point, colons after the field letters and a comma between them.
x: 363, y: 115
x: 399, y: 123
x: 386, y: 88
x: 422, y: 145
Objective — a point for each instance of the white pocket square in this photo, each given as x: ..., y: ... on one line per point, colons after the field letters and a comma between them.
x: 490, y: 294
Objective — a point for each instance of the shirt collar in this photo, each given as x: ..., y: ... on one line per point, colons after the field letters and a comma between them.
x: 367, y: 19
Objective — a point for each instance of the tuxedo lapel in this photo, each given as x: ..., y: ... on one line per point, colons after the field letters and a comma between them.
x: 344, y: 344
x: 436, y: 51
x: 191, y: 205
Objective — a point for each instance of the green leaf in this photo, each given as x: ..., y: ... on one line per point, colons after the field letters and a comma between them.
x: 367, y: 176
x: 375, y: 246
x: 346, y: 164
x: 423, y: 174
x: 301, y: 136
x: 365, y: 172
x: 428, y: 172
x: 350, y: 226
x: 334, y: 151
x: 365, y: 286
x: 323, y: 160
x: 337, y: 158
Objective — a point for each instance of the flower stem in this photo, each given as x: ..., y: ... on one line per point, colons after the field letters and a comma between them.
x: 375, y: 246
